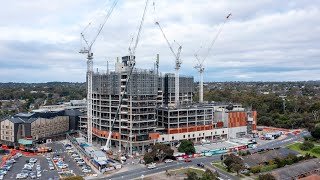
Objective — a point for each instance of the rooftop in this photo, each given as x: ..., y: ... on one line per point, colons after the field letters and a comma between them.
x: 293, y: 171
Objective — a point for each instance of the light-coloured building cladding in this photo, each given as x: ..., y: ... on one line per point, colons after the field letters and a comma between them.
x: 33, y: 125
x: 7, y: 131
x: 137, y: 114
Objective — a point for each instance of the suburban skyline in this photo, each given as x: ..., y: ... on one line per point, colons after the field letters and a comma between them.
x: 262, y: 41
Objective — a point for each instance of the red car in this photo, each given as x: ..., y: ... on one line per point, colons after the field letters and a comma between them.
x: 187, y: 160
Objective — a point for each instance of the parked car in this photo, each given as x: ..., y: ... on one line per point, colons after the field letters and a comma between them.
x: 69, y: 148
x: 51, y: 167
x: 1, y: 176
x: 74, y: 155
x: 70, y: 151
x: 168, y: 161
x: 33, y: 160
x: 21, y: 176
x: 4, y: 172
x: 86, y: 170
x: 32, y: 175
x: 187, y: 160
x: 38, y: 174
x: 81, y: 162
x: 78, y: 159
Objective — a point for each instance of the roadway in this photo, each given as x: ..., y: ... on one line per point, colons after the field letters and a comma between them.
x: 136, y: 173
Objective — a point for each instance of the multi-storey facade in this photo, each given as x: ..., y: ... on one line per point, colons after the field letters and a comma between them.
x: 38, y: 125
x: 147, y: 114
x: 186, y: 89
x: 137, y: 115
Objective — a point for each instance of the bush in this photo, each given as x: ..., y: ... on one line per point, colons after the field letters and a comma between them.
x: 306, y: 146
x: 316, y: 150
x: 266, y: 177
x: 316, y: 132
x: 255, y: 169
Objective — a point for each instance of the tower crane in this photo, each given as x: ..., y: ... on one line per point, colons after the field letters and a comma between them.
x: 88, y: 51
x: 199, y: 66
x: 131, y: 65
x: 178, y: 63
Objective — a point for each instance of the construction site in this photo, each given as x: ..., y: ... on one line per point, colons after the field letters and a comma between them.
x: 129, y: 109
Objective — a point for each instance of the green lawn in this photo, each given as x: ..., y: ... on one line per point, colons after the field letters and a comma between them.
x: 218, y: 165
x: 185, y: 170
x: 314, y: 151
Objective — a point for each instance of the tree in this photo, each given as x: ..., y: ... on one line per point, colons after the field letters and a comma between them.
x: 209, y: 175
x: 148, y: 158
x: 306, y: 146
x: 161, y: 151
x: 316, y: 132
x: 186, y: 147
x: 191, y: 176
x: 238, y: 167
x: 266, y: 177
x: 233, y: 162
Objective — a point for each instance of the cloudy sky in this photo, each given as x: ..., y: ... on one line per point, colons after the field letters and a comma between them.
x: 265, y: 40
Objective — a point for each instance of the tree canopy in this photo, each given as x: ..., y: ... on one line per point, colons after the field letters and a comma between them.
x: 187, y: 147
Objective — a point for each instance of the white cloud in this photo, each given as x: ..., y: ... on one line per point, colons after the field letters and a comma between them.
x: 260, y: 38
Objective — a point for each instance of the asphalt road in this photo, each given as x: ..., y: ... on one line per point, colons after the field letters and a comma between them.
x: 283, y: 142
x: 136, y: 173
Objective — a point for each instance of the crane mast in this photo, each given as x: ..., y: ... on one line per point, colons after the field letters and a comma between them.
x: 199, y: 66
x: 87, y: 50
x: 131, y: 65
x: 178, y: 63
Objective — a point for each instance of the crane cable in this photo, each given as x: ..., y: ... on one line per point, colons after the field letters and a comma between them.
x: 215, y: 38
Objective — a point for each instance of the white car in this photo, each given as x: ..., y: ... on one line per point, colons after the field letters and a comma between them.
x: 86, y: 170
x: 38, y: 174
x: 21, y: 176
x: 70, y: 151
x: 152, y: 167
x: 69, y: 148
x: 78, y: 159
x: 81, y: 162
x: 51, y: 167
x: 62, y: 166
x: 33, y: 160
x: 74, y: 155
x: 168, y: 161
x: 1, y: 176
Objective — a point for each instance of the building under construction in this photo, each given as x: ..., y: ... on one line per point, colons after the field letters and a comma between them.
x: 136, y: 122
x: 148, y: 115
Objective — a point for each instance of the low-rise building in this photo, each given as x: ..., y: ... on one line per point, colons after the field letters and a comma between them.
x: 36, y: 125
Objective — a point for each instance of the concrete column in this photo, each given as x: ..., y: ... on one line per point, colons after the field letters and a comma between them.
x: 142, y: 148
x: 119, y: 146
